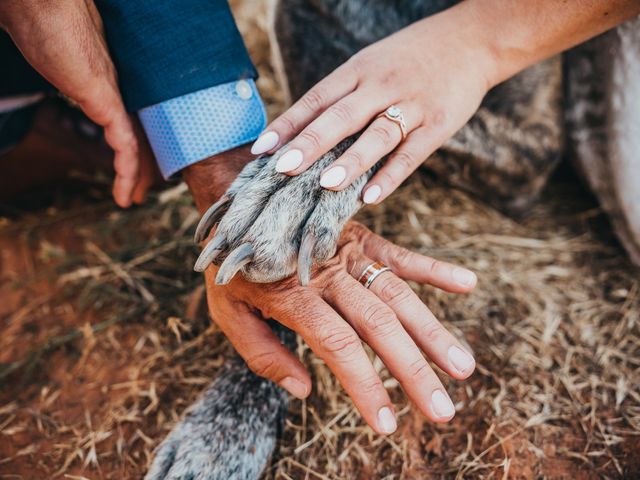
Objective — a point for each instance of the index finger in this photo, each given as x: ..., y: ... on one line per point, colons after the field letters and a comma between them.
x: 333, y: 340
x: 326, y: 92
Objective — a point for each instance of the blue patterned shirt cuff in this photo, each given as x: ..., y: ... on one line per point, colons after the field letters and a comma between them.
x: 184, y: 130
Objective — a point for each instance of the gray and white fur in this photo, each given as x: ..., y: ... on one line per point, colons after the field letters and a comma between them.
x: 269, y: 224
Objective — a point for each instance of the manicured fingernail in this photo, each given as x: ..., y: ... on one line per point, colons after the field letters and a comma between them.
x: 295, y: 387
x: 464, y: 277
x: 461, y: 360
x: 386, y: 420
x: 333, y: 177
x: 265, y: 142
x: 371, y: 194
x: 441, y: 404
x: 289, y: 161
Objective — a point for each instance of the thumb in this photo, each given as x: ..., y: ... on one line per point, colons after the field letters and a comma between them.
x: 105, y: 107
x: 149, y: 173
x: 261, y: 349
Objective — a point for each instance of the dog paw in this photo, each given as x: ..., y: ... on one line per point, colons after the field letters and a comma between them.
x: 271, y: 224
x: 228, y: 434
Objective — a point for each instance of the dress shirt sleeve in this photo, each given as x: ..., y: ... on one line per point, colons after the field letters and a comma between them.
x: 189, y: 128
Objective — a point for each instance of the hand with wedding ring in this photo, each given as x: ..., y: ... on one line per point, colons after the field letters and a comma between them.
x: 410, y: 92
x: 352, y: 298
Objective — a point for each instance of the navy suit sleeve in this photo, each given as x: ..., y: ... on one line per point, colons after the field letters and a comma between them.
x: 164, y: 49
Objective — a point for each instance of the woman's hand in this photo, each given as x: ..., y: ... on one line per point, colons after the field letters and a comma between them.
x: 435, y: 71
x: 335, y: 313
x: 64, y: 41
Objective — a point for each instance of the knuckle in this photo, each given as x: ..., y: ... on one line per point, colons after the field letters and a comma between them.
x: 382, y: 134
x: 278, y: 301
x: 340, y: 341
x: 406, y: 161
x: 312, y: 138
x: 355, y: 158
x: 360, y: 61
x: 342, y: 111
x: 432, y: 330
x: 369, y: 386
x: 378, y: 320
x: 389, y: 78
x: 314, y: 99
x: 419, y: 369
x: 437, y: 118
x: 284, y: 124
x: 386, y: 178
x: 434, y: 266
x: 393, y: 291
x: 402, y: 259
x: 263, y: 364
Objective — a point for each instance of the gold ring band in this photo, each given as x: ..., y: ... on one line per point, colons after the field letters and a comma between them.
x: 372, y: 272
x: 394, y: 114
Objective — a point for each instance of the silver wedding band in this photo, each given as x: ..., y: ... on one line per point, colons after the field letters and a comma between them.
x: 372, y: 272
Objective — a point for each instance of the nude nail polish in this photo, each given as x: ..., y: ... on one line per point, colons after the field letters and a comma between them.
x: 265, y: 142
x: 289, y: 161
x: 333, y: 177
x: 464, y: 277
x: 371, y: 194
x: 387, y: 420
x: 460, y: 360
x: 441, y: 404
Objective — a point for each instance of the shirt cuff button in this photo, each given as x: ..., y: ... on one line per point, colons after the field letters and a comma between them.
x: 243, y: 89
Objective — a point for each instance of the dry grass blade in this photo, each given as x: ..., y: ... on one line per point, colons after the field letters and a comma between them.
x: 554, y: 324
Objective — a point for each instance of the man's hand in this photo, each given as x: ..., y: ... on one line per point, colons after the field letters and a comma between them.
x: 64, y: 41
x: 335, y: 313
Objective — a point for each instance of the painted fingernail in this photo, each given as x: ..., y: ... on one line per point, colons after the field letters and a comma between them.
x: 461, y: 360
x: 333, y: 177
x: 371, y: 194
x: 265, y: 142
x: 295, y: 387
x: 387, y: 420
x: 289, y: 161
x: 464, y: 277
x: 441, y: 404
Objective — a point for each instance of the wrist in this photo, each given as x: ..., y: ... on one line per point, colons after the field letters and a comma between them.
x: 508, y: 46
x: 209, y: 179
x: 462, y: 33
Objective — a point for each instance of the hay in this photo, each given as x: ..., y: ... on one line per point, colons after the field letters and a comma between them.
x: 104, y: 342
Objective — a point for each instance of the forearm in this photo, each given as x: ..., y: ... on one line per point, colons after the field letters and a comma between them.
x: 210, y: 178
x: 518, y: 34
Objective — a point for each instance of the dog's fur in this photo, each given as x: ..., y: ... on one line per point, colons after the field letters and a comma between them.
x: 504, y: 154
x: 603, y: 118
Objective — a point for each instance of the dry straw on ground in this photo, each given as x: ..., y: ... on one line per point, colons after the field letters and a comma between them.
x: 104, y: 341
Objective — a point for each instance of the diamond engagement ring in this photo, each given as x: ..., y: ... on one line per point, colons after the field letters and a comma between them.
x: 394, y: 114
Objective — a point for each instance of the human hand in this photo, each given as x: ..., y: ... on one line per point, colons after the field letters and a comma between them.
x: 64, y: 41
x: 436, y: 71
x: 336, y: 312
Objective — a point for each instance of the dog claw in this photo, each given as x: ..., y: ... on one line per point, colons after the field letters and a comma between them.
x: 280, y: 223
x: 305, y: 259
x: 210, y: 253
x: 211, y: 217
x: 237, y: 259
